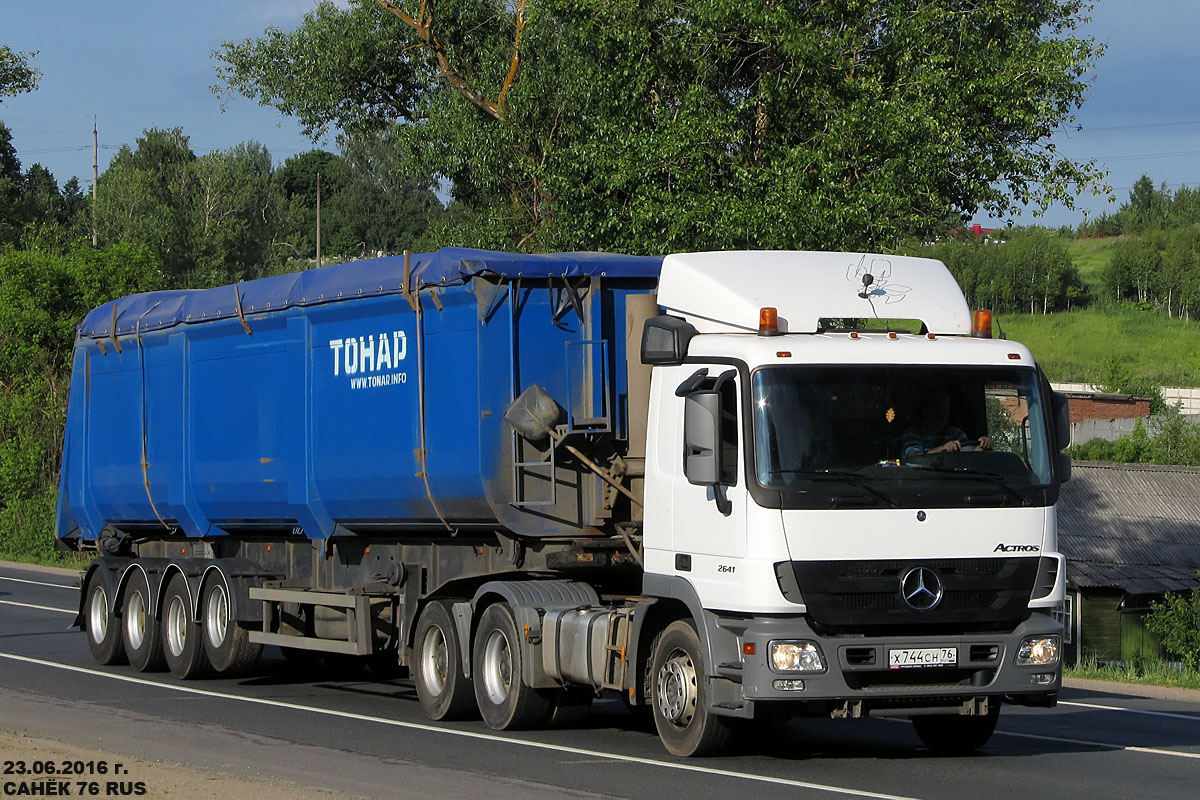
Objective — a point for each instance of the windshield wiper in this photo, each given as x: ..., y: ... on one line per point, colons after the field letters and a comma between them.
x: 853, y: 478
x: 970, y: 474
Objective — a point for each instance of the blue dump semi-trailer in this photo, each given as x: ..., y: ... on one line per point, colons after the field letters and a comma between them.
x: 722, y: 485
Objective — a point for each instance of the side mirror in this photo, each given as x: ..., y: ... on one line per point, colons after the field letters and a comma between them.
x: 701, y: 438
x: 1062, y: 420
x: 665, y: 340
x: 1062, y: 462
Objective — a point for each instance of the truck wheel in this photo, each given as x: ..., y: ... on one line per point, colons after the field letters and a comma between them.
x: 956, y: 735
x: 181, y: 636
x: 103, y: 629
x: 680, y: 698
x: 443, y: 689
x: 139, y: 628
x: 505, y: 701
x: 226, y: 643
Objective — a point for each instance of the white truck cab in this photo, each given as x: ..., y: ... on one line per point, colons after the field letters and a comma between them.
x: 853, y: 492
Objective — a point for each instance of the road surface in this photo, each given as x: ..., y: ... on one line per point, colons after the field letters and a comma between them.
x: 357, y: 736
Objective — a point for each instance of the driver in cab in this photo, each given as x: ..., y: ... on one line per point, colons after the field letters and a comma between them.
x: 935, y: 434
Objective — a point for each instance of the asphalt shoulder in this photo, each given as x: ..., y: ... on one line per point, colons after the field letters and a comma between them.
x: 1135, y: 690
x: 60, y: 571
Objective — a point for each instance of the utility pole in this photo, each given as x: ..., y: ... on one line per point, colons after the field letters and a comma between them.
x: 318, y: 220
x: 95, y: 177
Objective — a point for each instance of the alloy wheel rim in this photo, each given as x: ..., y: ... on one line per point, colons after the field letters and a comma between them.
x: 176, y: 626
x: 434, y: 660
x: 216, y: 616
x: 98, y: 615
x: 497, y: 667
x: 135, y: 619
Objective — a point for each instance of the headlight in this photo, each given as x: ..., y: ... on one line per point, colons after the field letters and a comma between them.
x: 1038, y: 651
x: 796, y: 657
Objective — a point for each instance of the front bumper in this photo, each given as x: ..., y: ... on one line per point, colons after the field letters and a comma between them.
x: 857, y: 679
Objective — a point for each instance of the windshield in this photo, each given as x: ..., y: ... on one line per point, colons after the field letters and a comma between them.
x: 889, y: 431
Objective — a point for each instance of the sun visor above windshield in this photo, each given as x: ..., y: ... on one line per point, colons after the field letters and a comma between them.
x: 723, y: 292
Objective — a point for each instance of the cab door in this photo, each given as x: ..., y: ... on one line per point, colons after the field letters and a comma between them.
x: 709, y: 521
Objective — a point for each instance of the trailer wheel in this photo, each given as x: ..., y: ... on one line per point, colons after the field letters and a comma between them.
x: 505, y: 701
x: 956, y: 735
x: 442, y: 688
x: 680, y: 702
x: 226, y: 643
x: 181, y: 635
x: 103, y: 630
x: 139, y: 627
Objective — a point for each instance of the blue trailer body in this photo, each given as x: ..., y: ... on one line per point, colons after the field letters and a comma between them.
x: 293, y: 404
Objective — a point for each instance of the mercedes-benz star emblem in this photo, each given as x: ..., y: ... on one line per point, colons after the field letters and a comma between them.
x: 921, y: 588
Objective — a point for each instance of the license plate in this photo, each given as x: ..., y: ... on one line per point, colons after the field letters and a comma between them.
x: 922, y: 657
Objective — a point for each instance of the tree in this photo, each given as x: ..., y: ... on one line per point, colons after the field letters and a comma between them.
x: 298, y: 178
x: 43, y: 295
x: 11, y: 189
x: 1176, y: 621
x: 388, y: 206
x: 16, y: 76
x: 649, y: 125
x: 233, y: 211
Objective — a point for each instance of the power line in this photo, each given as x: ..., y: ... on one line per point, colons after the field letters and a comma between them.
x: 1138, y: 126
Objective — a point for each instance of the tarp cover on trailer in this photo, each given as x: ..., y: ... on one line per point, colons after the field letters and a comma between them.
x: 449, y: 266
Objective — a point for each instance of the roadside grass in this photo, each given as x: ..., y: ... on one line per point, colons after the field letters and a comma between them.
x: 64, y: 560
x: 1082, y: 345
x: 1148, y: 673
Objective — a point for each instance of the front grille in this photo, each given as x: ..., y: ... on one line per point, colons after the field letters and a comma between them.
x: 979, y: 594
x: 940, y: 679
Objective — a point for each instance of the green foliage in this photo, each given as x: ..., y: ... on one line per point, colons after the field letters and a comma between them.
x: 1170, y: 440
x: 228, y: 216
x: 43, y: 295
x: 1118, y: 378
x: 1080, y: 345
x: 653, y: 126
x: 1030, y: 271
x: 1176, y: 621
x: 16, y: 76
x: 1152, y: 673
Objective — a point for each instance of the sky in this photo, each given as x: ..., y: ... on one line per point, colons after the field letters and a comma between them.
x: 137, y: 64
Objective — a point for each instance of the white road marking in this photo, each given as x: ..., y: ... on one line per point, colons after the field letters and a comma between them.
x: 1105, y: 745
x: 1189, y: 717
x: 490, y: 737
x: 40, y: 608
x: 1102, y: 745
x: 39, y: 583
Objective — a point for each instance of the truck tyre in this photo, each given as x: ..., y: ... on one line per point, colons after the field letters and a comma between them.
x: 505, y: 701
x: 680, y: 697
x: 181, y: 635
x: 103, y: 628
x: 443, y: 689
x: 140, y: 630
x: 226, y: 643
x: 957, y: 735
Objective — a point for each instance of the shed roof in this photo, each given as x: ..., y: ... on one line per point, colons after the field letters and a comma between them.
x: 1135, y: 527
